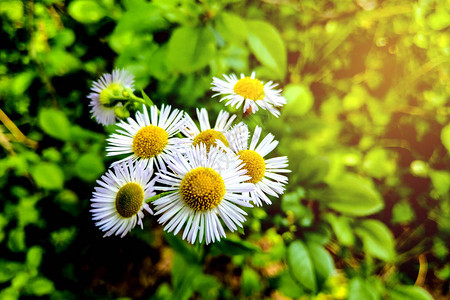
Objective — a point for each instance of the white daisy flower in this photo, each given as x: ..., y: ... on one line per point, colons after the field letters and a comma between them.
x: 249, y: 91
x: 206, y: 186
x: 205, y: 134
x: 118, y: 204
x: 108, y: 85
x: 264, y: 173
x: 149, y: 140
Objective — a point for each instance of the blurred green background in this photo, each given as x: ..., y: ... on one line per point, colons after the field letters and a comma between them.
x: 366, y: 214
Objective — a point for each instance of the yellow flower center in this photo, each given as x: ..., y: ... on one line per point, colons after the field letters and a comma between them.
x: 129, y: 199
x: 202, y: 189
x: 254, y: 163
x: 113, y: 90
x: 249, y: 88
x: 209, y: 137
x: 150, y: 141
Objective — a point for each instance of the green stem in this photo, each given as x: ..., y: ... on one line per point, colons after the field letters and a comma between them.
x: 156, y: 197
x: 138, y: 99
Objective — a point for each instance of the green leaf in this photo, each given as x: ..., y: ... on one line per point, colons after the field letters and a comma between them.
x: 89, y: 166
x: 86, y: 11
x: 301, y: 265
x: 266, y: 44
x: 402, y: 213
x: 147, y: 99
x: 445, y: 137
x: 63, y: 237
x: 378, y: 240
x: 16, y: 240
x: 181, y: 247
x: 54, y: 123
x: 22, y: 81
x: 182, y: 277
x: 352, y: 196
x: 40, y: 286
x: 322, y: 261
x: 291, y: 203
x: 312, y: 169
x: 231, y: 27
x: 378, y: 164
x: 359, y: 289
x: 9, y: 269
x: 34, y: 257
x: 342, y: 227
x: 9, y: 293
x: 288, y: 287
x: 299, y: 99
x: 190, y: 49
x: 207, y: 286
x: 231, y: 247
x: 250, y: 282
x: 440, y: 181
x: 407, y: 292
x: 48, y: 176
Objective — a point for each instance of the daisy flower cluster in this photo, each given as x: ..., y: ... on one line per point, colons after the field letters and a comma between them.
x: 196, y: 178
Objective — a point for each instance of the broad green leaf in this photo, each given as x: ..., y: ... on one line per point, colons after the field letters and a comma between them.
x: 48, y: 176
x: 299, y: 99
x: 288, y: 287
x: 54, y: 123
x: 322, y: 261
x: 378, y: 164
x: 16, y: 240
x: 181, y: 247
x: 9, y: 293
x: 207, y: 286
x: 268, y: 46
x: 359, y: 289
x: 9, y: 269
x: 250, y: 282
x: 62, y: 238
x: 291, y: 203
x: 378, y: 240
x: 182, y: 277
x: 89, y: 166
x: 445, y: 137
x: 301, y: 265
x: 407, y: 292
x: 22, y: 81
x: 20, y: 280
x: 27, y: 212
x: 440, y: 181
x: 40, y: 286
x: 86, y: 11
x: 231, y: 27
x: 134, y: 28
x: 34, y: 257
x: 190, y: 49
x: 231, y: 247
x: 402, y: 213
x: 352, y: 196
x: 312, y: 169
x: 342, y: 227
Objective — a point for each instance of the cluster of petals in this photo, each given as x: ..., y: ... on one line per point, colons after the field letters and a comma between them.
x: 203, y: 177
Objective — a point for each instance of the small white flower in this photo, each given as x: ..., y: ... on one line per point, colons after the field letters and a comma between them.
x: 202, y: 192
x: 249, y: 91
x: 108, y: 84
x: 206, y: 135
x: 148, y: 140
x: 118, y: 203
x: 264, y: 173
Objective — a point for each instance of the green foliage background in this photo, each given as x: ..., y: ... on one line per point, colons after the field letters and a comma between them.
x: 366, y: 128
